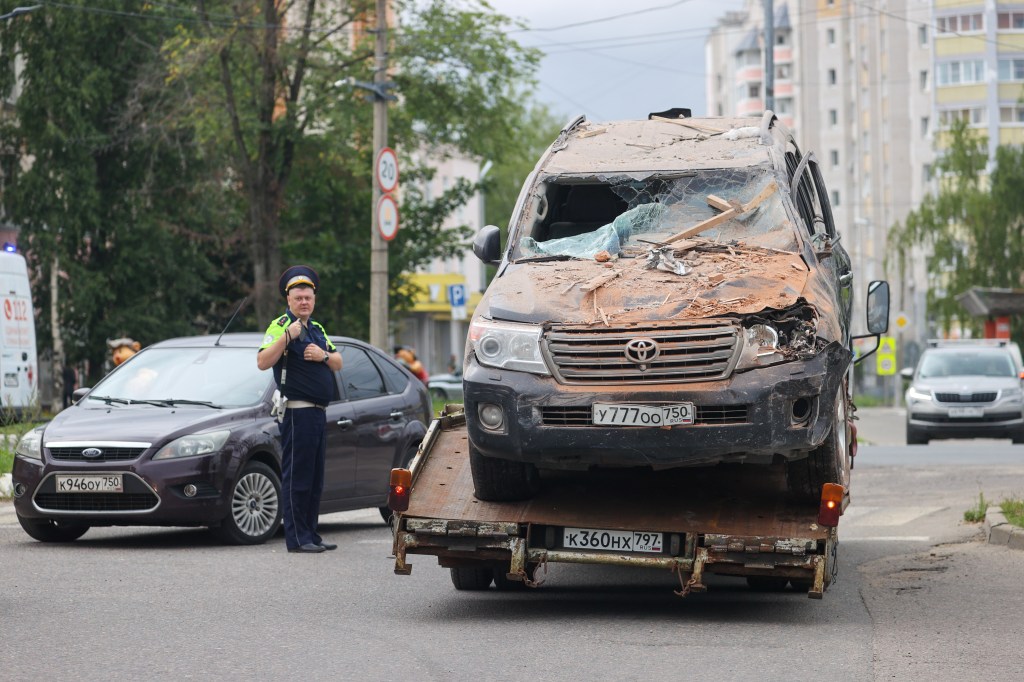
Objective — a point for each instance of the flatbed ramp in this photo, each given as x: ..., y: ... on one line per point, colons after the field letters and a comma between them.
x: 727, y: 519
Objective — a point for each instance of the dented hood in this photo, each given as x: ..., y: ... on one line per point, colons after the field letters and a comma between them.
x: 724, y: 281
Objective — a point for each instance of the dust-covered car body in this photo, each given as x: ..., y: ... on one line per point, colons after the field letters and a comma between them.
x: 691, y: 265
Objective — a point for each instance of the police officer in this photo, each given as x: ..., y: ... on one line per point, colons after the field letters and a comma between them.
x: 304, y: 362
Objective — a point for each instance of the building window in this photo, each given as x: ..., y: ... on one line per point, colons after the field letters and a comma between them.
x: 926, y: 173
x: 784, y: 105
x: 922, y: 80
x: 1013, y: 113
x: 831, y: 33
x: 834, y: 157
x: 960, y: 23
x: 1011, y: 21
x: 784, y: 72
x: 754, y: 90
x: 1011, y: 70
x: 974, y: 116
x: 922, y: 35
x: 964, y: 72
x: 833, y: 117
x: 832, y: 78
x: 924, y: 126
x: 835, y: 197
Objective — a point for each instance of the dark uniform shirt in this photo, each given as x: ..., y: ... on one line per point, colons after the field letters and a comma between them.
x: 312, y: 381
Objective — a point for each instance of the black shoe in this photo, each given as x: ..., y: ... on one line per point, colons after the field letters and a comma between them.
x: 310, y: 548
x: 328, y: 545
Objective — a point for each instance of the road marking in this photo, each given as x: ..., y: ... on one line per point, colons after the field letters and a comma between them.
x: 885, y: 516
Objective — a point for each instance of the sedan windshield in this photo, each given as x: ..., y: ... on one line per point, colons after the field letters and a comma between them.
x: 170, y: 377
x: 960, y: 363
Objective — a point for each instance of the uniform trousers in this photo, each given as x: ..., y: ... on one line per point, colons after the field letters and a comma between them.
x: 303, y: 441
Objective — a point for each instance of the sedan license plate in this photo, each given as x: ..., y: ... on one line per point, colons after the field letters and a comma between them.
x: 90, y: 483
x: 615, y: 414
x: 966, y: 412
x: 614, y: 540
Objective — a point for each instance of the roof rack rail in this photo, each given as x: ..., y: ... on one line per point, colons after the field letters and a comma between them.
x: 939, y: 343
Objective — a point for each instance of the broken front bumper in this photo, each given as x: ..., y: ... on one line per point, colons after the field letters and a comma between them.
x: 785, y: 409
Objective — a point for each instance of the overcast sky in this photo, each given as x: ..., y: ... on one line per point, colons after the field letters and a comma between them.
x: 647, y: 56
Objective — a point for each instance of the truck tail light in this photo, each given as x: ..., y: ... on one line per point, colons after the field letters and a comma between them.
x: 398, y: 493
x: 831, y: 504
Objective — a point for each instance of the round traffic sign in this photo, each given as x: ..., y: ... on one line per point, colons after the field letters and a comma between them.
x: 386, y: 168
x: 387, y: 217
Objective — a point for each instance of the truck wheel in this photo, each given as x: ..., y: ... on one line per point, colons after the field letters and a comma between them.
x: 255, y: 513
x: 766, y: 583
x: 502, y: 480
x: 916, y: 436
x: 472, y: 577
x: 53, y: 530
x: 828, y: 463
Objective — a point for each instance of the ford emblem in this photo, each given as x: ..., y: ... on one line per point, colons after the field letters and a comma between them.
x: 92, y: 453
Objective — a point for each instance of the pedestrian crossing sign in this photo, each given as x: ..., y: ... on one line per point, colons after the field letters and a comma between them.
x: 886, y: 356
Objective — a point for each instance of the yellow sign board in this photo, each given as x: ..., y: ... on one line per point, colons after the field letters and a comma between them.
x: 885, y: 363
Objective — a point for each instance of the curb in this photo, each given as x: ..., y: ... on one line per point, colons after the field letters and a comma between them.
x: 999, y: 531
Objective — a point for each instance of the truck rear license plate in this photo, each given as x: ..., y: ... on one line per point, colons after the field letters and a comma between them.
x: 90, y: 483
x: 966, y: 412
x: 615, y: 414
x: 613, y: 540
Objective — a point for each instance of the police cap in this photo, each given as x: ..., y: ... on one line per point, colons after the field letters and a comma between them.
x: 298, y: 274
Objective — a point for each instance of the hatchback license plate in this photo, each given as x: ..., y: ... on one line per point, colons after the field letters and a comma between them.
x: 966, y: 412
x: 615, y: 414
x: 90, y: 483
x: 614, y: 540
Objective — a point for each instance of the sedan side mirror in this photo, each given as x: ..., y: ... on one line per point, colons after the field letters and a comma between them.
x: 907, y: 372
x: 487, y: 244
x: 878, y: 307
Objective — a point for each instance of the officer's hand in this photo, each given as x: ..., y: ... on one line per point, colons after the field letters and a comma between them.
x: 314, y: 353
x: 295, y: 329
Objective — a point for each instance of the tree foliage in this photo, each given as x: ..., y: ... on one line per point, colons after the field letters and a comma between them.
x: 173, y: 157
x: 971, y: 229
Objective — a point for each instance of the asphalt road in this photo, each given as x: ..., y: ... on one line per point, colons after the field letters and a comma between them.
x: 919, y: 596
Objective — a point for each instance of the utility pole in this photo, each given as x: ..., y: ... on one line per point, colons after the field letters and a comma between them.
x: 379, y: 247
x: 769, y: 55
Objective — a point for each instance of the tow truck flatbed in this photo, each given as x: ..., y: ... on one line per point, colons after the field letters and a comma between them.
x: 727, y: 519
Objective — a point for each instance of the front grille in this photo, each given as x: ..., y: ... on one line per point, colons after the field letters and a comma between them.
x: 686, y: 353
x: 987, y: 397
x: 986, y: 419
x: 581, y: 415
x: 96, y: 502
x: 109, y: 454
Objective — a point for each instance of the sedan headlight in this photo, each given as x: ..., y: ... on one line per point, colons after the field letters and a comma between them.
x: 508, y: 345
x: 194, y: 445
x: 918, y: 395
x: 1011, y: 393
x: 31, y: 444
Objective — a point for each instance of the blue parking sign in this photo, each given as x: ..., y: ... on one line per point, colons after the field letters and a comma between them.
x: 457, y: 295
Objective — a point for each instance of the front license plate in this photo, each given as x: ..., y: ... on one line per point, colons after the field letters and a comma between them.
x: 966, y: 412
x: 90, y: 483
x: 615, y: 540
x: 615, y: 414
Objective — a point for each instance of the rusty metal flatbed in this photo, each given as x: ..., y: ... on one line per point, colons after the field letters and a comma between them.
x: 729, y: 520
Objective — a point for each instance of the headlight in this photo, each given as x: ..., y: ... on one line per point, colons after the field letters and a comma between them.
x: 1011, y: 393
x: 917, y: 394
x: 193, y: 445
x: 763, y: 338
x: 507, y: 345
x: 31, y: 444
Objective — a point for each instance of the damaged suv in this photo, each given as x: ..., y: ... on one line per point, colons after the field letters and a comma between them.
x: 673, y: 293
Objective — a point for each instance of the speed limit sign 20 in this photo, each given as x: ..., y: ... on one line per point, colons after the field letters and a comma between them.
x: 387, y: 170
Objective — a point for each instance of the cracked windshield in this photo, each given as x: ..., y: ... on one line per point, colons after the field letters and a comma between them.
x: 630, y: 217
x: 166, y: 377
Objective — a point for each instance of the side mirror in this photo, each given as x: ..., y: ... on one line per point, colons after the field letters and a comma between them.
x: 79, y: 393
x: 878, y: 307
x: 907, y: 372
x: 487, y: 244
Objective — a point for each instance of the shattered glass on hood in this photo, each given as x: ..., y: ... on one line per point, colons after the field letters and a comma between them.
x: 659, y: 210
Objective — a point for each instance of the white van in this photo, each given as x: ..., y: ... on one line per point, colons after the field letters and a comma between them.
x: 18, y: 364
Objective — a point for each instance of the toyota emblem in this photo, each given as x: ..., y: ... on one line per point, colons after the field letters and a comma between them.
x: 642, y: 351
x: 92, y: 453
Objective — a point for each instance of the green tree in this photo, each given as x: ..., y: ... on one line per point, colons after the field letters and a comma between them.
x: 972, y: 228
